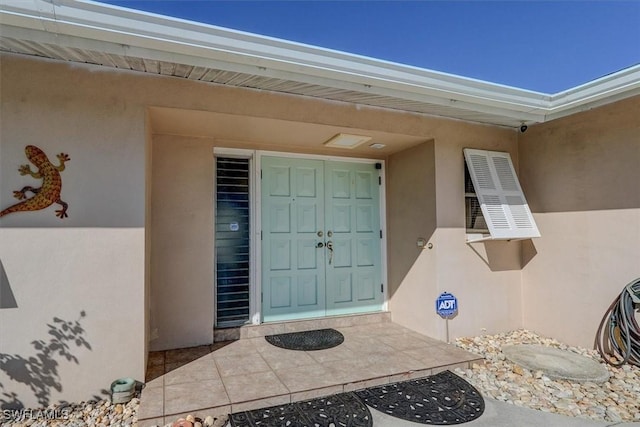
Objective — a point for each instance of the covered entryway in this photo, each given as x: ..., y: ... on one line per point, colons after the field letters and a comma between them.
x: 321, y: 238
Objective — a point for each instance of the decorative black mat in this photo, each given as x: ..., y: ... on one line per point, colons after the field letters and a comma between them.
x: 319, y: 339
x: 339, y: 410
x: 440, y: 399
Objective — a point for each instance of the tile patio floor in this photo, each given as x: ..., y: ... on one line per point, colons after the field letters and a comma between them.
x: 251, y: 373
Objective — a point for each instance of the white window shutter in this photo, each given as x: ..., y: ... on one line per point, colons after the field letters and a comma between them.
x: 503, y: 204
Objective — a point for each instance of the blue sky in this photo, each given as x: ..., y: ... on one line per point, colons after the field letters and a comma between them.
x: 546, y: 46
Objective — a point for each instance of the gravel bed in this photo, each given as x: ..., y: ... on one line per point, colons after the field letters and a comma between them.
x: 96, y: 413
x: 615, y: 400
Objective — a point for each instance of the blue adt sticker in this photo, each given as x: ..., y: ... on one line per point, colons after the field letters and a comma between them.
x: 446, y: 305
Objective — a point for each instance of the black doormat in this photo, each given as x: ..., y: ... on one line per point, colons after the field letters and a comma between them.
x: 339, y: 410
x: 440, y: 399
x: 319, y: 339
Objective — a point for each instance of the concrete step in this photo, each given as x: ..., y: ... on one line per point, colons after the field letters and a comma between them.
x: 272, y: 328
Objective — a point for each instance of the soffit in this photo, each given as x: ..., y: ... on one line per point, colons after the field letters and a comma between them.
x: 253, y: 81
x: 95, y: 33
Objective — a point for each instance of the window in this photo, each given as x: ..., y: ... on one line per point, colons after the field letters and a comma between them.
x: 494, y: 202
x: 474, y: 220
x: 232, y: 241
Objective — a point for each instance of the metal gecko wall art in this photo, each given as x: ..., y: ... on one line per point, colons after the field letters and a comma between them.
x: 49, y: 192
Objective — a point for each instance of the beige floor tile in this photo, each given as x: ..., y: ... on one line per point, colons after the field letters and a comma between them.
x: 151, y: 403
x: 185, y: 355
x: 344, y: 322
x: 316, y: 393
x: 156, y: 382
x: 431, y: 355
x: 241, y: 364
x: 283, y: 399
x: 454, y: 351
x: 308, y: 377
x: 452, y: 367
x: 261, y: 344
x: 155, y: 358
x: 259, y: 385
x: 372, y: 382
x: 262, y: 330
x: 154, y: 372
x: 368, y: 345
x: 410, y: 375
x: 234, y: 348
x: 340, y: 352
x: 428, y: 362
x: 251, y: 373
x: 279, y: 358
x: 404, y: 341
x: 360, y: 331
x: 185, y: 397
x: 348, y: 371
x: 200, y: 369
x: 383, y: 364
x: 221, y: 344
x: 309, y: 325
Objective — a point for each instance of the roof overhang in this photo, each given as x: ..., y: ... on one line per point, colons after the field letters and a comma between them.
x: 96, y: 33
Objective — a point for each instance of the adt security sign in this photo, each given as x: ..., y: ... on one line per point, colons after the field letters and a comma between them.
x: 446, y: 305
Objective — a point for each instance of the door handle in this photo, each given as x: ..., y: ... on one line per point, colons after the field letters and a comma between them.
x: 330, y: 247
x: 320, y: 245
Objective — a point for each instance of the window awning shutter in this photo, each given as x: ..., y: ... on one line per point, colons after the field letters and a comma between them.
x: 503, y: 204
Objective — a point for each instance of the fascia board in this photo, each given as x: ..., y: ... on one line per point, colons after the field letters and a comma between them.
x: 613, y: 87
x: 94, y: 21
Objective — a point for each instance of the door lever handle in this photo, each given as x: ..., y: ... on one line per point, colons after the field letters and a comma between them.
x: 330, y: 247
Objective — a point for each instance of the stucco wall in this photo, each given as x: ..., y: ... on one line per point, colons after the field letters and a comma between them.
x: 411, y: 211
x: 485, y: 276
x: 182, y: 232
x: 581, y: 177
x: 426, y: 199
x: 91, y: 262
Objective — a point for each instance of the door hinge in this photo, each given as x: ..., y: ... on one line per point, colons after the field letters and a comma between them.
x: 260, y: 234
x: 381, y: 234
x: 379, y: 180
x: 382, y: 287
x: 261, y: 297
x: 260, y: 173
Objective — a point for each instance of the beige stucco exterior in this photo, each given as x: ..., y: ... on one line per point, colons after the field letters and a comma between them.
x: 581, y: 177
x: 136, y: 253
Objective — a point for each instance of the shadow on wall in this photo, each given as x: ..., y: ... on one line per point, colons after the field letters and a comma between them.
x: 40, y: 371
x: 7, y: 300
x: 411, y: 209
x: 502, y: 255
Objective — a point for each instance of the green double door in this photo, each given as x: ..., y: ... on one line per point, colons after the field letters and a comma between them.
x: 321, y: 238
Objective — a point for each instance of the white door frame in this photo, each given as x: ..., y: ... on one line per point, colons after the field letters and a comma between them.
x: 255, y: 194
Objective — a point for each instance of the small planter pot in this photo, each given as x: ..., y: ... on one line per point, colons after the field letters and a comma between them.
x: 122, y: 390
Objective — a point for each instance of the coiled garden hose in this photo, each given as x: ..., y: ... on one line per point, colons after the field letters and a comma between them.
x: 618, y: 337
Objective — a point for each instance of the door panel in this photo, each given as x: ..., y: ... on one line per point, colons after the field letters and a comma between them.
x: 293, y: 277
x: 353, y: 202
x: 300, y: 198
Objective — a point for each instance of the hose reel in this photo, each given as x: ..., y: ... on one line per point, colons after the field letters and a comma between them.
x: 618, y: 336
